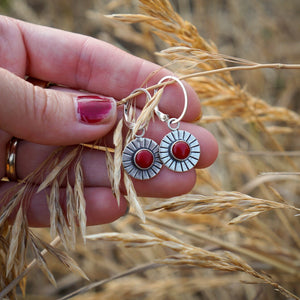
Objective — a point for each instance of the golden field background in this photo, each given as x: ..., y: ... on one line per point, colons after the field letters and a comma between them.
x: 236, y: 236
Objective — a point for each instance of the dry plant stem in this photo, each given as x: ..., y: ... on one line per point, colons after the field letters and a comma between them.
x: 281, y: 173
x: 58, y: 167
x: 211, y: 72
x: 147, y: 113
x: 243, y: 68
x: 132, y: 271
x: 188, y: 254
x: 132, y: 197
x: 99, y: 148
x: 150, y: 88
x: 117, y: 163
x: 29, y: 268
x: 220, y: 201
x: 199, y: 235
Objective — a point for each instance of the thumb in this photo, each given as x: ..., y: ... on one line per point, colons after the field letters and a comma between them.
x: 46, y: 116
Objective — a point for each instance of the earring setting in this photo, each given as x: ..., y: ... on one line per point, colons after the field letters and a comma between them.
x: 141, y: 156
x: 179, y: 151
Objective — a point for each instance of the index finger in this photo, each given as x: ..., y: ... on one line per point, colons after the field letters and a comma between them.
x: 83, y: 62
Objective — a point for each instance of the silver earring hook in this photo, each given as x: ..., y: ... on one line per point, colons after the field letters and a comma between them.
x: 128, y: 122
x: 164, y: 117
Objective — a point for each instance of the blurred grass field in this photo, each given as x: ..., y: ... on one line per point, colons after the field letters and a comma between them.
x: 257, y: 124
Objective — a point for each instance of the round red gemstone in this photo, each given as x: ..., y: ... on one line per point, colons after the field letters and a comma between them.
x: 181, y: 150
x: 144, y: 159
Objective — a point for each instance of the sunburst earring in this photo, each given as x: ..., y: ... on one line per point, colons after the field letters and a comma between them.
x: 141, y: 156
x: 179, y: 150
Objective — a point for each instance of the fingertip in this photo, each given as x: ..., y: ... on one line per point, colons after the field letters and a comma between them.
x: 101, y: 207
x: 209, y: 149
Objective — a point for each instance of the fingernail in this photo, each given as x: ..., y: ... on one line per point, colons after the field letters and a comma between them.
x: 94, y: 109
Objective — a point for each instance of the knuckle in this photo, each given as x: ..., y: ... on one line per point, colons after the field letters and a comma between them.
x: 84, y: 65
x: 42, y: 105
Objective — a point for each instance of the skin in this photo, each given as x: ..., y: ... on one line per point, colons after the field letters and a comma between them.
x: 46, y: 118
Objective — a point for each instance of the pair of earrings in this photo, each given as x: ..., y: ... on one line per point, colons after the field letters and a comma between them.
x: 179, y: 150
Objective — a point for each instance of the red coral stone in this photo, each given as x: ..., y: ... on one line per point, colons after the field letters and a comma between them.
x: 144, y: 159
x: 181, y: 150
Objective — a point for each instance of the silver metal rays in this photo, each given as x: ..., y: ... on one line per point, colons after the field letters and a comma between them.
x: 185, y: 156
x: 141, y: 158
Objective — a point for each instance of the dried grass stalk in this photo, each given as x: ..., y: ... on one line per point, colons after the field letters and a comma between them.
x: 15, y: 241
x: 53, y: 175
x: 187, y: 254
x: 205, y: 69
x: 118, y: 143
x: 79, y: 199
x: 6, y: 210
x: 219, y: 201
x: 66, y: 260
x: 18, y: 236
x: 71, y: 214
x: 147, y: 113
x: 132, y: 197
x: 114, y: 164
x: 42, y: 263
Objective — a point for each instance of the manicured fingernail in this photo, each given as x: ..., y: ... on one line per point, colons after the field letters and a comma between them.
x: 94, y: 109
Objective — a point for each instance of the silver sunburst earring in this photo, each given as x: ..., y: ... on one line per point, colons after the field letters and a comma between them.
x: 179, y: 150
x: 141, y: 156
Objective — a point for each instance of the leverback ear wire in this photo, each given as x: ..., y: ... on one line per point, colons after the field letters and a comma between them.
x: 127, y: 118
x: 164, y: 117
x: 179, y: 150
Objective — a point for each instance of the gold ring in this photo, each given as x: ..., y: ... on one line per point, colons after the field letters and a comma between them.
x: 11, y: 150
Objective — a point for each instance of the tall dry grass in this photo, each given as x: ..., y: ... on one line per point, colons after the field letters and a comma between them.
x: 236, y: 235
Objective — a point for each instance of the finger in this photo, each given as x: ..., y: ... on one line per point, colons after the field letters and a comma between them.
x: 30, y: 156
x: 97, y: 67
x: 52, y: 117
x: 12, y: 50
x: 101, y: 207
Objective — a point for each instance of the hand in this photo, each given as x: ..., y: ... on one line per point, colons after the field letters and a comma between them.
x: 46, y: 118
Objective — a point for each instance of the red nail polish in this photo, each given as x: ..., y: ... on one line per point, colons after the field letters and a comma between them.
x: 93, y: 109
